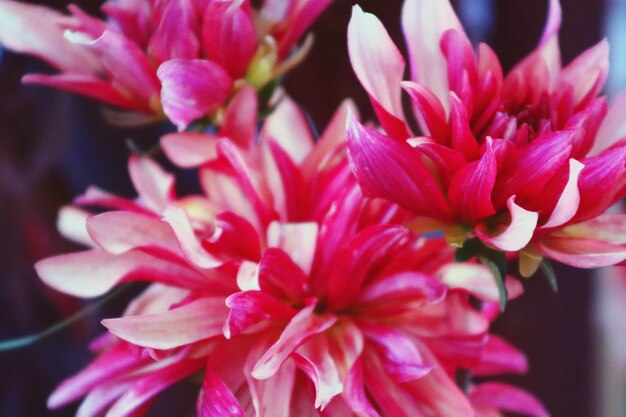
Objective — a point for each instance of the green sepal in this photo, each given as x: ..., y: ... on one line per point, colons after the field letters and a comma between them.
x: 548, y: 271
x: 498, y: 271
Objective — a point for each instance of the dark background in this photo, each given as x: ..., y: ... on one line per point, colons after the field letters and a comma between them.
x: 54, y: 144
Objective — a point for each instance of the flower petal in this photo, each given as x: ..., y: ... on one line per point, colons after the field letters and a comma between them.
x: 613, y: 127
x: 303, y: 325
x: 507, y: 398
x: 191, y: 89
x: 568, y: 202
x: 189, y: 149
x: 38, y: 31
x: 423, y: 24
x: 228, y: 36
x: 175, y: 35
x: 516, y: 235
x: 154, y: 185
x: 216, y: 399
x: 582, y: 252
x: 478, y: 281
x: 197, y: 320
x: 393, y: 170
x: 379, y: 66
x: 470, y: 190
x: 240, y: 119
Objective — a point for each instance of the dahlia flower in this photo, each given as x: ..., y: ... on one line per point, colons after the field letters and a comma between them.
x: 527, y: 163
x: 183, y: 58
x: 283, y: 308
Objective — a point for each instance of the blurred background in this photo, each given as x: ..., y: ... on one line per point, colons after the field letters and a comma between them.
x: 54, y: 144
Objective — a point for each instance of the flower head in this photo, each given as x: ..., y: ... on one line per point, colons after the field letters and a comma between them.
x: 527, y: 162
x: 183, y: 58
x: 329, y: 305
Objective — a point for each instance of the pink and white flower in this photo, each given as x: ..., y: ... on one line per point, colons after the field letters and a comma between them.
x: 527, y: 163
x: 182, y: 58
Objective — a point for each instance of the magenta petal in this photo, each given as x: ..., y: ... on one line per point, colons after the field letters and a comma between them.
x: 430, y: 113
x: 228, y: 36
x: 90, y: 86
x: 280, y: 275
x: 600, y: 182
x: 582, y: 252
x: 471, y: 187
x: 301, y: 327
x: 402, y: 288
x: 252, y: 307
x: 125, y: 63
x: 176, y: 35
x: 568, y: 202
x: 447, y: 160
x: 378, y: 65
x: 400, y: 357
x: 105, y: 367
x: 280, y: 386
x: 355, y: 395
x: 240, y: 120
x: 393, y: 170
x: 507, y: 398
x: 189, y: 149
x: 136, y: 400
x: 500, y: 357
x: 197, y: 320
x: 216, y: 399
x: 516, y: 235
x: 461, y: 137
x: 192, y: 89
x: 38, y: 31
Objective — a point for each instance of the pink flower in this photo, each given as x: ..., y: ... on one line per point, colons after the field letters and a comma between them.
x: 527, y: 163
x: 183, y: 58
x: 279, y: 282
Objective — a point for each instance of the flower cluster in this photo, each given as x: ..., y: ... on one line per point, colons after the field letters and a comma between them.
x: 299, y: 281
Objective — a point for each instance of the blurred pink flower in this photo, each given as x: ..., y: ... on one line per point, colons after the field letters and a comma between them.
x: 292, y: 294
x: 184, y: 58
x: 527, y: 163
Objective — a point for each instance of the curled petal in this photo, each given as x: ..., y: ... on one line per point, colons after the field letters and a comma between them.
x: 177, y: 218
x: 303, y: 325
x: 568, y: 202
x: 315, y: 359
x: 251, y: 307
x: 516, y: 235
x: 192, y: 89
x: 608, y: 227
x: 197, y: 320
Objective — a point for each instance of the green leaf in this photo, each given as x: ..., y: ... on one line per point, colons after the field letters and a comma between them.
x: 471, y: 247
x: 20, y: 342
x: 499, y: 273
x: 548, y: 271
